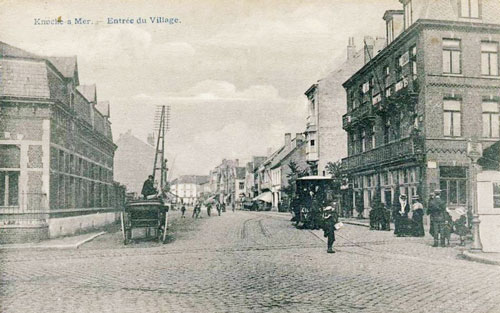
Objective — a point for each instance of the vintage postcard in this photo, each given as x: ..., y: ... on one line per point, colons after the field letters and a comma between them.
x: 250, y: 156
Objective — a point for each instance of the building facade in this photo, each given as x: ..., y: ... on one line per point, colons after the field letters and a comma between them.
x: 326, y: 141
x: 189, y: 189
x: 413, y: 110
x: 56, y: 149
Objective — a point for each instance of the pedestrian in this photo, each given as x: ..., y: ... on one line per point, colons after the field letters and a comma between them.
x: 233, y: 207
x: 437, y: 209
x: 416, y: 216
x: 330, y: 220
x: 218, y: 206
x: 400, y: 214
x: 183, y: 211
x: 209, y: 208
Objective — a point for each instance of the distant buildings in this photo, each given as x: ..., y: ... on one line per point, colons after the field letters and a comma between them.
x: 56, y: 149
x: 326, y: 141
x: 413, y: 109
x: 189, y: 188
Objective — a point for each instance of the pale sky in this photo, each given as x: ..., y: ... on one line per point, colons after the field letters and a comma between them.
x: 234, y: 72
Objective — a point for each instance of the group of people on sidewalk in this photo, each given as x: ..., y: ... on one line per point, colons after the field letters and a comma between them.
x: 408, y: 219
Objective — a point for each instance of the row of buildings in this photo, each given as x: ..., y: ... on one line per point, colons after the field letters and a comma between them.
x: 404, y: 113
x: 56, y: 149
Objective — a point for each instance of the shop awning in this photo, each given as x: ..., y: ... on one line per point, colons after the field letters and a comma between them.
x: 265, y: 196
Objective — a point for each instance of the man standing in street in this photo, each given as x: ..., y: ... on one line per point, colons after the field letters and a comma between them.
x: 183, y: 210
x: 437, y: 210
x: 330, y: 218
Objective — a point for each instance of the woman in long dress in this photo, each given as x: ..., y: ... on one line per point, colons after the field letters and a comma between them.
x: 417, y: 218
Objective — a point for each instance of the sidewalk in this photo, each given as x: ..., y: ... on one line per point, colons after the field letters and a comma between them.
x: 482, y: 257
x: 70, y: 242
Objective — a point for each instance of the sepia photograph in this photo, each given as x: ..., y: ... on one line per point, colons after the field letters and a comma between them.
x: 211, y: 156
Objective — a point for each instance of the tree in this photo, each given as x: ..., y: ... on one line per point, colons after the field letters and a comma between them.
x: 295, y: 172
x: 335, y: 169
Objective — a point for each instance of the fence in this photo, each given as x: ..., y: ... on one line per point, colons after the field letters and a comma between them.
x: 32, y: 210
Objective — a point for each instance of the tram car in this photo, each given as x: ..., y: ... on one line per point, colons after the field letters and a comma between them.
x: 312, y: 194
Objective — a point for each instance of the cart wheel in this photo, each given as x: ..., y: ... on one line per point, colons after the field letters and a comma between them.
x: 122, y: 218
x: 165, y: 228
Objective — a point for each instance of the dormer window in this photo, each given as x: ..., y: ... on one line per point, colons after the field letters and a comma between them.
x: 469, y: 8
x: 409, y: 14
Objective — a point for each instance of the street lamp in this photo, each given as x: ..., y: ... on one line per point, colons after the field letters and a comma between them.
x: 474, y: 152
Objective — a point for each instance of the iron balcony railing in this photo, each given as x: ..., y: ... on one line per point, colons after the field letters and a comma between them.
x: 388, y: 153
x: 31, y: 210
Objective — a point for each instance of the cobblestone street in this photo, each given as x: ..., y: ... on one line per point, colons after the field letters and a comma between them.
x: 249, y: 262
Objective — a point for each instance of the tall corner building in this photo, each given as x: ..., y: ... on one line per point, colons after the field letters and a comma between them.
x: 415, y: 107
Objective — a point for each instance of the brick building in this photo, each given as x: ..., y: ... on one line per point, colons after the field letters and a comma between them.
x: 56, y: 149
x: 325, y: 138
x: 412, y: 110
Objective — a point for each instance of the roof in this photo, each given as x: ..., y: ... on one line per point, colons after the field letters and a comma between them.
x: 191, y: 179
x: 65, y: 65
x: 103, y: 108
x: 88, y: 91
x: 7, y: 50
x: 284, y: 153
x: 24, y: 78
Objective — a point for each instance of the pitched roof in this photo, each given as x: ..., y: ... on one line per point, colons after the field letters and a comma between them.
x: 191, y: 179
x: 103, y: 108
x: 7, y: 50
x: 65, y: 65
x: 24, y: 78
x: 88, y: 91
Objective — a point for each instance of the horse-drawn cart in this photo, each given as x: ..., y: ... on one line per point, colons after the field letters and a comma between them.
x: 149, y: 215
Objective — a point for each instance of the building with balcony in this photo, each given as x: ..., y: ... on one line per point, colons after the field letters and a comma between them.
x: 412, y: 110
x: 326, y: 105
x: 56, y: 149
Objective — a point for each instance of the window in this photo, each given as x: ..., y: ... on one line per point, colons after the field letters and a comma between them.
x: 241, y: 186
x: 9, y: 188
x: 490, y: 119
x: 363, y: 140
x: 312, y: 143
x: 489, y: 58
x: 452, y: 118
x: 496, y: 195
x: 453, y: 183
x: 452, y: 56
x: 373, y: 137
x: 408, y: 14
x: 413, y: 59
x: 469, y: 8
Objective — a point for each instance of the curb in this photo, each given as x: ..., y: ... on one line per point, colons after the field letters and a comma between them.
x: 48, y: 246
x: 356, y: 223
x: 477, y: 257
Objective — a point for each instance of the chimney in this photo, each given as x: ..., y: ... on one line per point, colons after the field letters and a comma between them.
x: 299, y: 137
x: 368, y: 48
x: 351, y: 49
x: 151, y: 139
x: 288, y: 141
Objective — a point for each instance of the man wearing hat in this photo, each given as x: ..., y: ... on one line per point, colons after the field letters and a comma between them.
x: 330, y: 218
x: 437, y: 209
